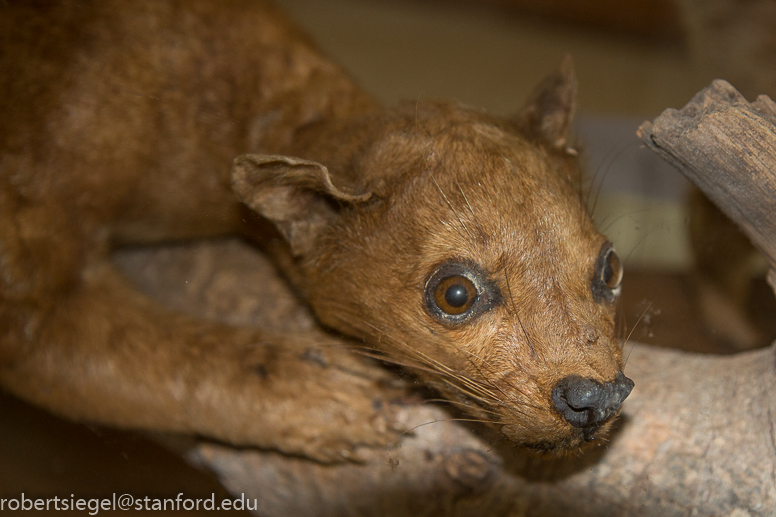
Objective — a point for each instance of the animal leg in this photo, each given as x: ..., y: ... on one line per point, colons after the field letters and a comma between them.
x: 107, y: 354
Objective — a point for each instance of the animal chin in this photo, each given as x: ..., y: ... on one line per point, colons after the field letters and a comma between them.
x: 569, y: 440
x: 594, y: 435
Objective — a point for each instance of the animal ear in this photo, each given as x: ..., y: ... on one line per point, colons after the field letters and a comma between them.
x: 549, y: 111
x: 297, y: 195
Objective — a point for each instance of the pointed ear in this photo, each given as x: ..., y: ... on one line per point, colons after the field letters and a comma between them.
x: 297, y: 195
x: 549, y: 111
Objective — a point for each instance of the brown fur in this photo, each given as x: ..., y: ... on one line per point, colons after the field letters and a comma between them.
x: 120, y: 124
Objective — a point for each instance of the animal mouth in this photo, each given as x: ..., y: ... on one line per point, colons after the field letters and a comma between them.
x: 574, y: 440
x: 586, y: 406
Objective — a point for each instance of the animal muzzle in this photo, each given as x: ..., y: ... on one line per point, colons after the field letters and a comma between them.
x: 586, y: 403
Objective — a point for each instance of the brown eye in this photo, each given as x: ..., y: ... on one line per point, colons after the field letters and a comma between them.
x: 455, y: 294
x: 608, y: 274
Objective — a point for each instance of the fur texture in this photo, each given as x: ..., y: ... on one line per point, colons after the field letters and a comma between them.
x: 121, y: 121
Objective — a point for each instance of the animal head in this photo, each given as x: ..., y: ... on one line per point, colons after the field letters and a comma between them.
x: 459, y: 244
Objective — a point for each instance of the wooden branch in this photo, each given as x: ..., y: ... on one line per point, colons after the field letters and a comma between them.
x: 698, y: 434
x: 698, y: 438
x: 727, y: 147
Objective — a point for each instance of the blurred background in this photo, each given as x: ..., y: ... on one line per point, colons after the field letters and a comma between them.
x: 633, y: 60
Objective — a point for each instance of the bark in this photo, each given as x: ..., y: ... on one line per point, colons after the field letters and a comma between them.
x: 697, y: 435
x: 697, y: 439
x: 727, y: 147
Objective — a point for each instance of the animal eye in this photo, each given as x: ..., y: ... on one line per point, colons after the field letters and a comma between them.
x: 608, y: 274
x: 612, y: 270
x: 455, y: 294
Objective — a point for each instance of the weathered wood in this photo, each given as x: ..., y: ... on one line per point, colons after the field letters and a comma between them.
x: 698, y: 435
x: 697, y: 440
x: 727, y: 147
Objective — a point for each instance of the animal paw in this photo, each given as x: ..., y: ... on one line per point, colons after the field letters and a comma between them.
x: 309, y: 396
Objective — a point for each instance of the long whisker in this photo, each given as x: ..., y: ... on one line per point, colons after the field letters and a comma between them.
x: 450, y: 205
x: 631, y: 332
x: 471, y: 387
x: 641, y: 241
x: 485, y: 398
x: 439, y: 368
x: 492, y: 371
x: 624, y: 315
x: 489, y: 383
x: 607, y: 167
x: 527, y: 337
x: 514, y: 309
x: 391, y: 360
x: 470, y: 384
x: 475, y: 390
x: 608, y: 224
x: 466, y: 200
x: 463, y: 404
x: 482, y: 421
x: 471, y: 209
x: 485, y: 394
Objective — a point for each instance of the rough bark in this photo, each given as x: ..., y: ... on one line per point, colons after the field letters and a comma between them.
x: 727, y: 147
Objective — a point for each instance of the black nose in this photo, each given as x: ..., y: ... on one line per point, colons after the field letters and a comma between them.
x: 588, y: 403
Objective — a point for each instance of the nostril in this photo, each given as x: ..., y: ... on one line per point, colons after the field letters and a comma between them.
x: 585, y: 402
x: 574, y: 399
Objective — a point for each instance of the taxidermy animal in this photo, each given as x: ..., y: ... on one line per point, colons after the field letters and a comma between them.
x: 447, y: 240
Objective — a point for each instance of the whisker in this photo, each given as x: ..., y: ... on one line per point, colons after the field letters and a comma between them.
x: 631, y: 332
x: 515, y: 408
x: 525, y: 333
x: 439, y: 368
x: 607, y: 166
x: 471, y: 388
x: 492, y: 384
x: 464, y: 404
x: 643, y: 239
x: 466, y: 200
x: 391, y: 360
x: 475, y: 386
x: 517, y: 315
x: 450, y: 205
x: 495, y: 386
x: 622, y: 325
x: 624, y: 214
x: 478, y: 420
x: 472, y: 394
